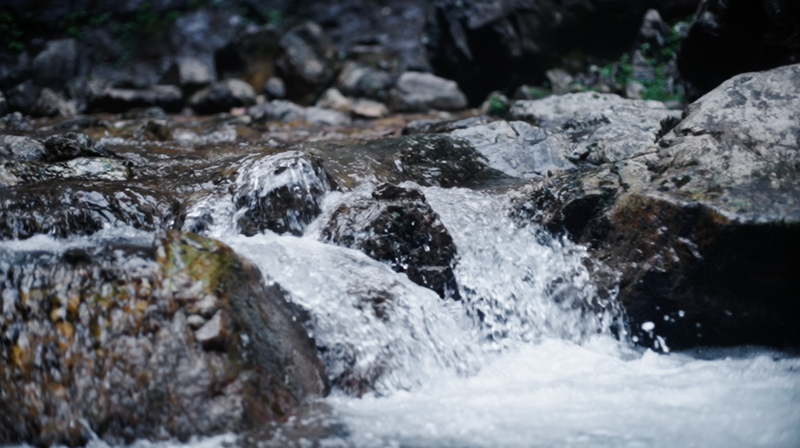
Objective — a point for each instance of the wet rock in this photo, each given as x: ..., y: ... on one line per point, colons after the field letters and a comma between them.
x: 288, y: 112
x: 15, y: 122
x: 51, y: 104
x: 223, y: 96
x: 518, y: 149
x: 69, y: 208
x: 275, y: 88
x: 602, y: 127
x: 306, y: 63
x: 63, y: 147
x: 23, y: 97
x: 398, y: 227
x: 15, y: 173
x: 168, y: 98
x: 21, y: 148
x: 415, y: 91
x: 700, y: 226
x: 440, y: 127
x: 3, y: 105
x: 281, y: 193
x: 729, y: 38
x: 362, y: 81
x: 440, y: 160
x: 56, y: 64
x: 190, y: 74
x: 126, y: 362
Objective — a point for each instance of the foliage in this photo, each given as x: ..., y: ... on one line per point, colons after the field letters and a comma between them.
x: 11, y: 32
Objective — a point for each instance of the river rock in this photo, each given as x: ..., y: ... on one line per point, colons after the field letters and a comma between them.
x: 306, y: 63
x: 281, y: 193
x: 490, y: 45
x: 117, y: 100
x: 126, y: 364
x: 56, y: 64
x: 357, y: 80
x: 275, y: 88
x: 68, y: 208
x: 701, y: 227
x: 3, y: 105
x: 23, y: 96
x: 223, y: 96
x: 418, y: 92
x: 249, y: 56
x: 288, y: 112
x: 439, y: 160
x: 15, y: 122
x: 361, y: 107
x: 728, y: 38
x: 439, y: 127
x: 397, y: 226
x: 518, y: 149
x: 51, y: 104
x: 190, y: 74
x: 24, y: 149
x: 602, y: 127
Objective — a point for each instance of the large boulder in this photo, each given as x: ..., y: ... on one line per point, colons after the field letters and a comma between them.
x: 223, y: 96
x: 397, y: 226
x: 728, y: 38
x: 176, y: 339
x: 56, y: 64
x: 701, y: 227
x: 420, y: 92
x: 601, y: 127
x: 306, y: 63
x: 490, y: 45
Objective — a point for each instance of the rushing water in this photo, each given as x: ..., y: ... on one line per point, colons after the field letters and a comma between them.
x: 529, y: 358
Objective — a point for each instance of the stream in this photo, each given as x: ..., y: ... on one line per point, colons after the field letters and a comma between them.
x: 530, y: 357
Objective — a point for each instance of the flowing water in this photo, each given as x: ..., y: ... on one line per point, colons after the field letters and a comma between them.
x: 530, y: 357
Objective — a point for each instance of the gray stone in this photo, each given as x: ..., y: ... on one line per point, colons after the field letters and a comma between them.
x: 603, y: 127
x: 362, y: 107
x: 190, y: 74
x: 56, y: 64
x: 23, y: 96
x: 51, y: 104
x: 518, y: 149
x: 559, y: 81
x: 21, y: 148
x: 168, y: 98
x: 415, y: 92
x: 306, y: 63
x: 701, y: 227
x: 212, y: 333
x: 94, y: 168
x: 223, y: 96
x: 361, y: 81
x: 15, y: 122
x: 275, y: 88
x: 3, y: 105
x: 287, y: 112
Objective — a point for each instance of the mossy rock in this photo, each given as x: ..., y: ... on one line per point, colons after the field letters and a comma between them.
x: 177, y: 339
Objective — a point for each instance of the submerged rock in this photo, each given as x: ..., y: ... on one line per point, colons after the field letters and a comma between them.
x: 99, y: 340
x: 281, y: 193
x: 397, y: 226
x: 702, y: 225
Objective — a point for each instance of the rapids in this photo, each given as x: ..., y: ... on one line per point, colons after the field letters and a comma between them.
x: 531, y: 357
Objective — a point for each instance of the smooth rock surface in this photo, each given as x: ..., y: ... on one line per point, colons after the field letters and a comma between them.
x: 415, y: 92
